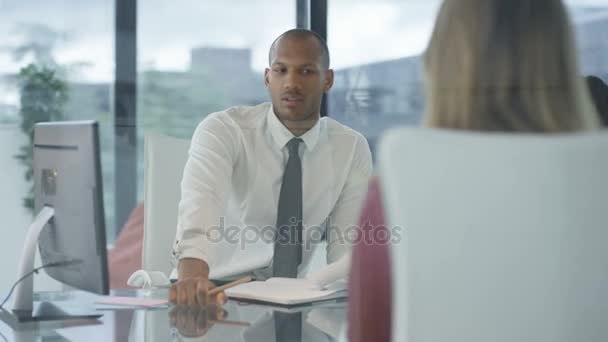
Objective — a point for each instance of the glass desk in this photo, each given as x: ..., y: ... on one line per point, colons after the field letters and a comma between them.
x: 235, y: 321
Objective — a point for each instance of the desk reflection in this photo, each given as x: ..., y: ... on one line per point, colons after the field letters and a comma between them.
x: 244, y: 322
x: 234, y: 322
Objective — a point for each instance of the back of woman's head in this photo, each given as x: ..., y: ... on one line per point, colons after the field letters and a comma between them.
x: 505, y: 65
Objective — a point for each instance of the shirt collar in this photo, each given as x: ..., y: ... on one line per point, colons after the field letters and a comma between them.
x: 281, y: 135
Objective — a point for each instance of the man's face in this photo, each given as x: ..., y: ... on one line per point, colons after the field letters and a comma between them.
x: 297, y: 80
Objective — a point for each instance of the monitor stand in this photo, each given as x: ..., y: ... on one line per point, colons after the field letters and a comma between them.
x: 23, y: 309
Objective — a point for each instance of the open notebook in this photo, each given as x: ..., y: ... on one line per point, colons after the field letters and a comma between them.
x: 287, y: 291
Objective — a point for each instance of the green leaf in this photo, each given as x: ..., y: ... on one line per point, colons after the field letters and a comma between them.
x: 43, y: 96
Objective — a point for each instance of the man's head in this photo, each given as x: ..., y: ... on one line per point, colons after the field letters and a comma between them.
x: 297, y: 77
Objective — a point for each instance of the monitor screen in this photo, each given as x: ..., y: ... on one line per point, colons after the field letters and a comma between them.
x: 67, y: 178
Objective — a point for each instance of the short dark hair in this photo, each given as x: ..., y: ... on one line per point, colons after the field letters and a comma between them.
x: 300, y: 33
x: 599, y: 94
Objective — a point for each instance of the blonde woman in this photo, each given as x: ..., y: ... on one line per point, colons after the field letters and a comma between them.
x: 491, y: 65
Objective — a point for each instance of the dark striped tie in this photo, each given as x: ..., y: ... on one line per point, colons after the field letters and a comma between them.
x: 288, y: 242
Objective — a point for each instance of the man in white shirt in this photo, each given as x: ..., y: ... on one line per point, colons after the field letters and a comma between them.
x: 291, y: 175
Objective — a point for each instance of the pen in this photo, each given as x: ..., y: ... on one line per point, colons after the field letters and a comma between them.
x: 219, y: 289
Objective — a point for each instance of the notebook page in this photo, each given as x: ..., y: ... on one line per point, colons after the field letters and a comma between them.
x: 283, y: 291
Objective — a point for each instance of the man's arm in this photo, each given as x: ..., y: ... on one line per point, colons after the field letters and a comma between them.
x: 344, y: 217
x: 205, y: 185
x: 192, y: 268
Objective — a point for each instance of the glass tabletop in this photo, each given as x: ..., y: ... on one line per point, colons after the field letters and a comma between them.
x: 235, y: 321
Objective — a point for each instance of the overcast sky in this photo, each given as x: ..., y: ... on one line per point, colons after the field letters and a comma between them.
x: 360, y: 31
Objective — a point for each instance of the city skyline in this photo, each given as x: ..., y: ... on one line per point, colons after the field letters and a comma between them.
x: 168, y: 32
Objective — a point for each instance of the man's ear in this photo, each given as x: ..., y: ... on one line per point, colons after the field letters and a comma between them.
x: 329, y: 80
x: 266, y: 75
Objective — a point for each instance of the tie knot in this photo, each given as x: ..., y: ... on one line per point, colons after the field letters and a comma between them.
x: 292, y: 145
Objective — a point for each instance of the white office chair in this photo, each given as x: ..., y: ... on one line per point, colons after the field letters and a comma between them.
x: 164, y: 159
x: 505, y: 235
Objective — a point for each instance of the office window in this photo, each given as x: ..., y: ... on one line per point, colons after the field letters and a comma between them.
x: 56, y: 63
x: 376, y: 47
x: 197, y: 57
x: 590, y: 19
x: 376, y: 51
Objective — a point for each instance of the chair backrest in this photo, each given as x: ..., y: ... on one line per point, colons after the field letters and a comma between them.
x: 164, y: 159
x: 504, y: 235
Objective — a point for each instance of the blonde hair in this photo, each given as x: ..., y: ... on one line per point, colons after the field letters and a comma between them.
x: 505, y: 65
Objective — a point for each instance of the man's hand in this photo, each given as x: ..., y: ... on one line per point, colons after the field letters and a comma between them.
x: 193, y: 285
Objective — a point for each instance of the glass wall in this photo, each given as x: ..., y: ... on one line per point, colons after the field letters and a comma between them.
x: 200, y: 56
x: 378, y: 65
x: 56, y: 63
x: 378, y: 68
x: 590, y: 19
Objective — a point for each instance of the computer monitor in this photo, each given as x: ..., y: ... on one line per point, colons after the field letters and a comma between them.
x: 70, y: 226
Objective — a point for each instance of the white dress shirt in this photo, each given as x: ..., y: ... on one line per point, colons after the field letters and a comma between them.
x: 231, y: 183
